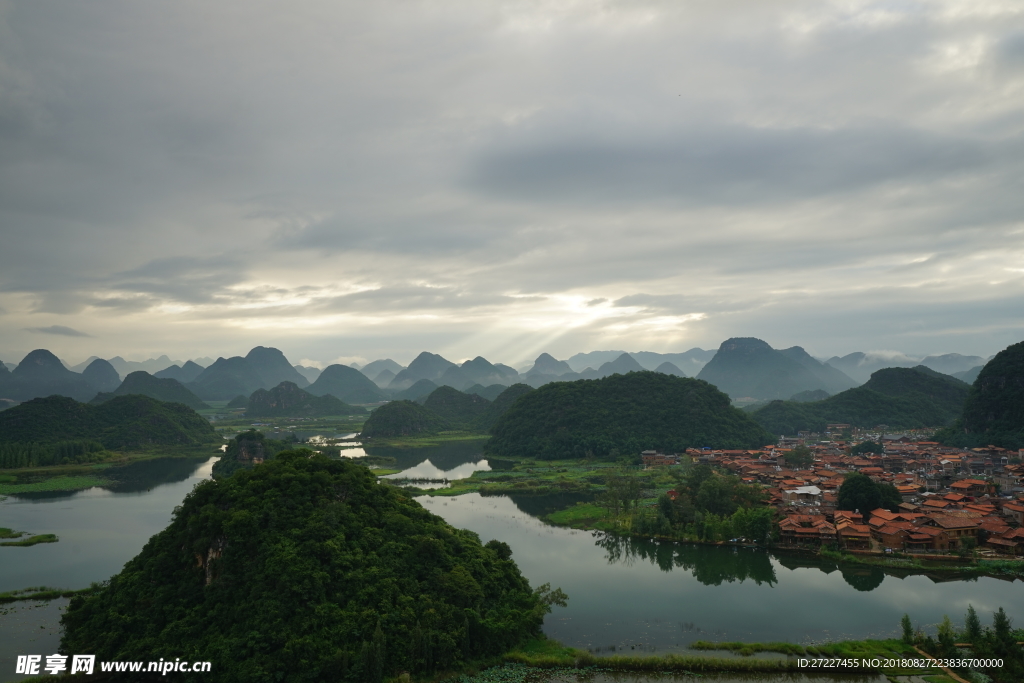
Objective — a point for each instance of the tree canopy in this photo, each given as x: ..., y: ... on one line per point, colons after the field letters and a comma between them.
x: 625, y: 413
x: 308, y: 569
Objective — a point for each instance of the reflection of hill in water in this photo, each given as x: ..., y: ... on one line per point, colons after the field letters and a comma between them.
x: 538, y: 506
x: 134, y: 477
x: 145, y: 474
x: 445, y: 456
x: 710, y: 565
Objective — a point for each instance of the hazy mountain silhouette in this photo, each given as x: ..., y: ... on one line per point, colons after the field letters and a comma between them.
x: 101, y: 375
x: 347, y: 384
x: 426, y: 366
x: 374, y: 368
x: 183, y: 373
x: 225, y: 379
x: 620, y: 366
x: 274, y: 368
x: 41, y: 373
x: 745, y: 367
x: 160, y: 388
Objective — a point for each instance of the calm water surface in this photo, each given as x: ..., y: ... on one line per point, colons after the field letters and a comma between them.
x: 624, y: 595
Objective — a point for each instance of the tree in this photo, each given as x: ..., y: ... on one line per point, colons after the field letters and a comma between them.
x: 859, y: 493
x: 716, y: 496
x: 891, y: 497
x: 800, y: 457
x: 867, y: 447
x: 947, y: 637
x: 972, y: 625
x: 908, y: 629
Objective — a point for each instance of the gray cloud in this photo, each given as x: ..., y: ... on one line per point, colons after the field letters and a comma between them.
x: 735, y: 165
x: 347, y: 179
x: 58, y: 330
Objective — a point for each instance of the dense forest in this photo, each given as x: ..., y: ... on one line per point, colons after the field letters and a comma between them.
x: 246, y: 450
x: 288, y: 400
x: 624, y: 414
x: 994, y: 410
x: 308, y: 569
x: 123, y: 423
x: 902, y: 398
x: 444, y: 409
x: 403, y: 418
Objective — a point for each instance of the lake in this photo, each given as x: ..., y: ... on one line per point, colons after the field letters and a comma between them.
x: 625, y: 595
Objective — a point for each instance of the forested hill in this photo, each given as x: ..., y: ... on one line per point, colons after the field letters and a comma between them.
x: 628, y: 413
x: 307, y: 569
x: 994, y: 409
x: 124, y: 422
x: 288, y: 400
x: 445, y: 409
x: 902, y: 398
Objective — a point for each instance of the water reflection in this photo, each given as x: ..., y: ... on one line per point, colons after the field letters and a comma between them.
x: 710, y: 565
x: 428, y: 471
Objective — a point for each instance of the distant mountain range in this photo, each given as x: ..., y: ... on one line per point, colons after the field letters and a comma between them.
x: 745, y: 368
x: 748, y: 368
x: 690, y: 362
x: 860, y: 366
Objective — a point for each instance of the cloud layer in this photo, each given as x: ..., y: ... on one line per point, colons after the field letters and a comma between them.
x: 368, y: 180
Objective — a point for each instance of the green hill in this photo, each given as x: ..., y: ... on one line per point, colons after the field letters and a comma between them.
x: 500, y: 405
x: 902, y: 398
x: 628, y: 413
x: 348, y: 384
x: 994, y: 410
x: 459, y: 410
x: 307, y: 569
x: 403, y: 418
x: 144, y: 384
x: 288, y: 400
x: 122, y: 423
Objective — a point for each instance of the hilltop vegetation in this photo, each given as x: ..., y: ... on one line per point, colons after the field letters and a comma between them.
x: 162, y: 389
x: 624, y: 413
x: 902, y: 398
x: 403, y: 418
x: 459, y: 410
x: 994, y: 409
x: 307, y: 569
x: 288, y: 400
x: 444, y: 409
x: 123, y: 423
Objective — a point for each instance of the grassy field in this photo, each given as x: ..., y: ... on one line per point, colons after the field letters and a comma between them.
x: 59, y: 483
x: 421, y: 441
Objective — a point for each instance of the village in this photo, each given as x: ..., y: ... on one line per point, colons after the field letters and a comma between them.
x: 954, y: 501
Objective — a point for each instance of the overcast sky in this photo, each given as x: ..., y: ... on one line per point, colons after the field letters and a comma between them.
x: 354, y: 180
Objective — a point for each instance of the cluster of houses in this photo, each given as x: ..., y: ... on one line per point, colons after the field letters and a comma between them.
x: 948, y: 494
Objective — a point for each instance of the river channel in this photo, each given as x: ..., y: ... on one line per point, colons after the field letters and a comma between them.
x: 625, y: 596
